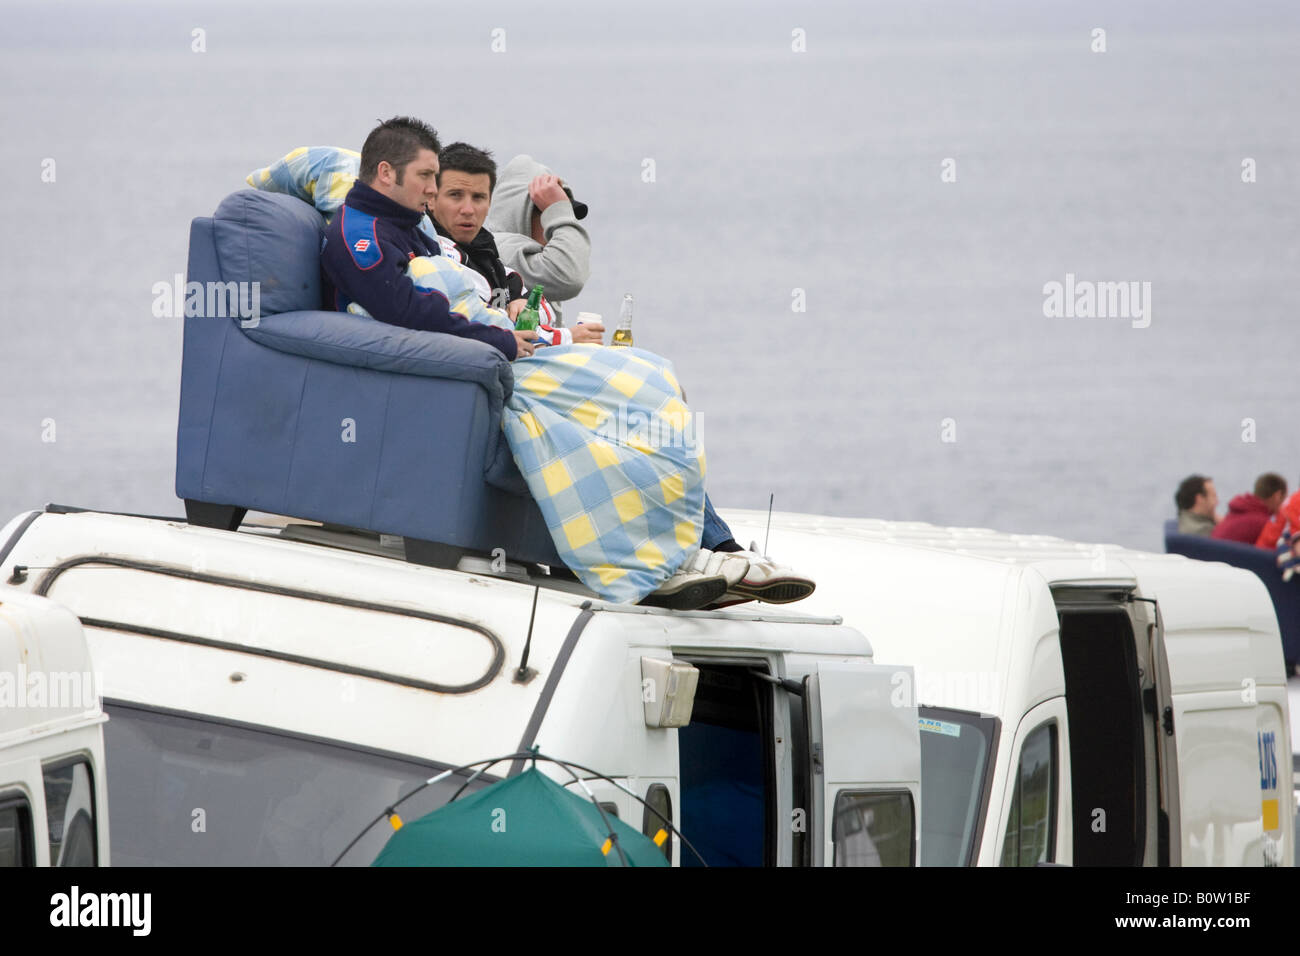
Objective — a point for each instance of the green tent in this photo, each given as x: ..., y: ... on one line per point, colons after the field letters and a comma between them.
x: 528, y: 820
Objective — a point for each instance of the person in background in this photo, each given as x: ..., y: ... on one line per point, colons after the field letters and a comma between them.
x: 1285, y: 519
x: 1197, y: 502
x: 535, y: 220
x: 1248, y: 514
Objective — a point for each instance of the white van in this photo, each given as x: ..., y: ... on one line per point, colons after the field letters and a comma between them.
x: 52, y: 787
x: 274, y: 689
x: 1080, y: 704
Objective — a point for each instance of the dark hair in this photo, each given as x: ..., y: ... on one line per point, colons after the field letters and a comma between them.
x: 396, y: 141
x: 1269, y: 484
x: 464, y: 158
x: 1192, y: 486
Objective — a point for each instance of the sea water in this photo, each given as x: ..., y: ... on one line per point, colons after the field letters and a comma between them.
x: 843, y: 222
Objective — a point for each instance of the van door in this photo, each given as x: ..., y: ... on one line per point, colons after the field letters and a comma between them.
x: 1158, y: 704
x: 1037, y: 811
x: 864, y: 766
x: 1121, y: 745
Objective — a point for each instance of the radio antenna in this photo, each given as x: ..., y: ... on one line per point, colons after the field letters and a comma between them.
x: 525, y: 673
x: 768, y: 533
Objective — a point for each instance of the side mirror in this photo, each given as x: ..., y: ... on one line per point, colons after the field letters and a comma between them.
x: 668, y: 692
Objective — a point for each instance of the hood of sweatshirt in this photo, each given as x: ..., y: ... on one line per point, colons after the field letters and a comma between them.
x: 564, y: 264
x: 1247, y: 504
x: 512, y: 207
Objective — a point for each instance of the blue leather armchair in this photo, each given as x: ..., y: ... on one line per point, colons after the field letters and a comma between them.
x: 333, y: 417
x: 1285, y: 594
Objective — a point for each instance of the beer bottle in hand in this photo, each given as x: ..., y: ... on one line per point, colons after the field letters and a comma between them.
x: 529, y: 316
x: 623, y: 334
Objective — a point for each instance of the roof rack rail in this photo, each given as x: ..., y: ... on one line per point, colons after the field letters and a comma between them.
x: 52, y: 508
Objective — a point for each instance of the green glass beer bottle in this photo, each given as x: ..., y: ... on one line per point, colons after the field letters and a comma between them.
x: 529, y: 316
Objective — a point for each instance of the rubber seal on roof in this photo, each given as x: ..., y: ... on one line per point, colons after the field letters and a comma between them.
x: 18, y: 533
x: 493, y: 669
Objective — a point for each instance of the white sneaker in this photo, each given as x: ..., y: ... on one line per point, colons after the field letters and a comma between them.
x: 702, y: 579
x: 732, y: 565
x: 765, y: 580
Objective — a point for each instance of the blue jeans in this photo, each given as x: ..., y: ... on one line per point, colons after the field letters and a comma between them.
x: 715, y: 529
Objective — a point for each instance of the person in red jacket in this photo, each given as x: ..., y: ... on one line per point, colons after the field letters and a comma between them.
x: 1287, y: 519
x: 1248, y: 514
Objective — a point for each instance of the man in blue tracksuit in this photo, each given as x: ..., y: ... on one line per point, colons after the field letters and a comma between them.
x: 369, y: 243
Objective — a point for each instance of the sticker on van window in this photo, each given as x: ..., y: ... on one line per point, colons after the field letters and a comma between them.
x: 1267, y: 742
x: 939, y: 727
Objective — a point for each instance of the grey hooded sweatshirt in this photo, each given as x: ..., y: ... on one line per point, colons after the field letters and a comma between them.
x: 564, y: 263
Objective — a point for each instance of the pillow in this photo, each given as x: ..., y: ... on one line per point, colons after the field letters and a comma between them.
x: 319, y: 175
x: 273, y: 241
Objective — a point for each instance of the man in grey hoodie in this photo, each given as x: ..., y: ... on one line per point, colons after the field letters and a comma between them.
x: 535, y: 221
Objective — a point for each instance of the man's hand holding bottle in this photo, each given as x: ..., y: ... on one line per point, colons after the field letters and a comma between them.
x: 525, y: 342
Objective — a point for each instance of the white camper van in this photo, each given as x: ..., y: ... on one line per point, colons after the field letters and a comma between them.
x: 1080, y: 704
x: 52, y: 785
x: 272, y: 690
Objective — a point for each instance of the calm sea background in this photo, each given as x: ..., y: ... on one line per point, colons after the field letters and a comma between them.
x: 775, y: 170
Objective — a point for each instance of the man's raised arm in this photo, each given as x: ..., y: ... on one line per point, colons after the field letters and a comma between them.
x: 563, y: 263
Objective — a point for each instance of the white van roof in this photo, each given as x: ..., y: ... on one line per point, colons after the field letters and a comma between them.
x: 343, y: 645
x: 964, y: 601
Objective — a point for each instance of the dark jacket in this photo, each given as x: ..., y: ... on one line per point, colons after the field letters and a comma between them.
x: 1245, y: 519
x: 367, y: 247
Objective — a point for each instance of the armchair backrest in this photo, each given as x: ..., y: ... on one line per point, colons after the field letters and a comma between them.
x: 265, y: 406
x: 273, y: 240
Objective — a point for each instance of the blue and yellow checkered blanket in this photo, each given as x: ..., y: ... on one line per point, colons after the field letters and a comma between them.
x: 320, y: 175
x: 608, y: 448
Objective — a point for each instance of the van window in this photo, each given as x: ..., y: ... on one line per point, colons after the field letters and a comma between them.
x: 874, y: 828
x: 16, y: 846
x: 70, y: 812
x: 955, y: 772
x: 658, y: 815
x: 1031, y: 825
x: 194, y: 791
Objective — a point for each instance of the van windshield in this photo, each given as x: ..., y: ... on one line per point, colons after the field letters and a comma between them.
x: 189, y: 791
x: 955, y: 748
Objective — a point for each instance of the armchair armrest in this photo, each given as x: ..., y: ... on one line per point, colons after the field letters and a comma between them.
x: 360, y: 341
